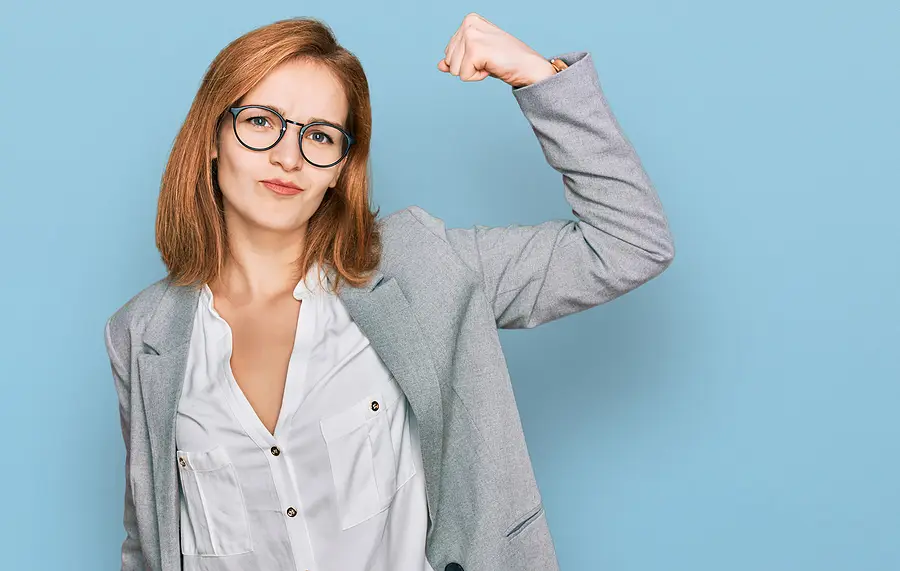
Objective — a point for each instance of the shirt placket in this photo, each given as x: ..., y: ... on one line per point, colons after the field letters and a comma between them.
x: 285, y: 478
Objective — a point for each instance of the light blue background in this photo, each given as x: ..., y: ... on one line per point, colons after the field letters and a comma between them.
x: 739, y: 412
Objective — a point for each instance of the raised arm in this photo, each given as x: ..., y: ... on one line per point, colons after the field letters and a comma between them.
x: 619, y: 238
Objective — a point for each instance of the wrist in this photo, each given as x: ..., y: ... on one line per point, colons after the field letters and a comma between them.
x: 542, y: 70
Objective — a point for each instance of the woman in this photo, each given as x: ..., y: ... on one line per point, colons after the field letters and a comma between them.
x: 310, y: 388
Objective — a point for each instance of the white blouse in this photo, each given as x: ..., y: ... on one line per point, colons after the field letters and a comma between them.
x: 339, y: 487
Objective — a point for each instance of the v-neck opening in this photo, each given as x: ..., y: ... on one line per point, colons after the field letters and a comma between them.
x: 298, y: 361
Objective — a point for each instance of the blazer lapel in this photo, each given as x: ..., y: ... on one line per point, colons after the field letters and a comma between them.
x: 161, y: 373
x: 384, y: 315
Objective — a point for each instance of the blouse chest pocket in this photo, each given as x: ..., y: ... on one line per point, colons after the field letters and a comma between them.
x: 370, y: 456
x: 213, y: 512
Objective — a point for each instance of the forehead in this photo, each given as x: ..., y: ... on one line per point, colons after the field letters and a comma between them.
x: 301, y: 90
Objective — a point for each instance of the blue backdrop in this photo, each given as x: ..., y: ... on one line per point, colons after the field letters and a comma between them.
x: 743, y: 414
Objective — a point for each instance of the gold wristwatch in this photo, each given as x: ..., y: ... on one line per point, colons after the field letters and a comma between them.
x: 558, y: 64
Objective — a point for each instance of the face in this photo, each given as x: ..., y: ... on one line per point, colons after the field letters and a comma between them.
x: 301, y: 91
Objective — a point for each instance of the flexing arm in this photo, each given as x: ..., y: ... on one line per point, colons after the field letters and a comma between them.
x: 620, y: 237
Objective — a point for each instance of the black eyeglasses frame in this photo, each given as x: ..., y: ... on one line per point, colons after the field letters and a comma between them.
x: 303, y: 127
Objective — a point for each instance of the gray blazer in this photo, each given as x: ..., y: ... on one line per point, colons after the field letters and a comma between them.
x: 431, y: 313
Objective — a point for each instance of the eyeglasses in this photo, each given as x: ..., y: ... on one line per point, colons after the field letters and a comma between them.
x: 260, y: 128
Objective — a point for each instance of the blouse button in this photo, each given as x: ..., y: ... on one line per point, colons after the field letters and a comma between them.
x: 374, y: 405
x: 182, y: 462
x: 275, y: 451
x: 291, y: 512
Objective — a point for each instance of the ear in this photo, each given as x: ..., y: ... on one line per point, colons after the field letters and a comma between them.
x: 337, y: 175
x: 215, y: 146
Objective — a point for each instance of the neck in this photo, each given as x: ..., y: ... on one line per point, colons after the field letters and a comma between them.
x: 260, y: 263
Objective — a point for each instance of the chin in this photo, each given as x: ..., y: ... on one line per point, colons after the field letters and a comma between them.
x: 270, y: 217
x: 283, y: 226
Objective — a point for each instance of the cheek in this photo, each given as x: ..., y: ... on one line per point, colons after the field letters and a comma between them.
x: 237, y: 169
x: 320, y: 179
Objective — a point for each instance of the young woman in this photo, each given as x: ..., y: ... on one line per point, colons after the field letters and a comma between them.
x: 310, y: 388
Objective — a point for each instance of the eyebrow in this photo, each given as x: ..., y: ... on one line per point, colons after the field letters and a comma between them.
x: 310, y: 120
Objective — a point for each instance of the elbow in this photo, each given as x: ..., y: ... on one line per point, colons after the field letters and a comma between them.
x: 662, y: 252
x: 666, y: 254
x: 649, y: 264
x: 662, y: 257
x: 644, y: 262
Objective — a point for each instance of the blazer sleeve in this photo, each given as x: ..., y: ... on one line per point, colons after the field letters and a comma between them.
x: 132, y: 555
x: 619, y: 238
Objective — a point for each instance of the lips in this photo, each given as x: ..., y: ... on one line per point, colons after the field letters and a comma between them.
x: 281, y: 187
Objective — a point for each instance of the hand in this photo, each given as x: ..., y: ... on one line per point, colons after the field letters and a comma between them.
x: 479, y: 49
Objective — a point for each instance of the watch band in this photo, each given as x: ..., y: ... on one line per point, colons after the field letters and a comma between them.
x: 558, y: 64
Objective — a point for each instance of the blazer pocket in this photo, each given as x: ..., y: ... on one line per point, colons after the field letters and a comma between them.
x: 364, y: 458
x: 213, y: 511
x: 525, y: 521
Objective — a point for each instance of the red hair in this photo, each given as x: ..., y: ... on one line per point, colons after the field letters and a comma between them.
x: 190, y: 227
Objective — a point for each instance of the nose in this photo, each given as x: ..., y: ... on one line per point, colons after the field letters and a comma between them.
x: 286, y: 153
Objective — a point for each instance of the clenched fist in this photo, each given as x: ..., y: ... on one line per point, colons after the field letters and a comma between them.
x: 479, y: 49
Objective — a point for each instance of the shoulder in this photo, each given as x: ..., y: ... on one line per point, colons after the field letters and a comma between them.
x: 412, y: 217
x: 131, y: 318
x: 412, y: 234
x: 412, y: 221
x: 419, y: 249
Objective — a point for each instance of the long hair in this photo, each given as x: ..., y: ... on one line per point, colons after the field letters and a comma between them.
x: 190, y: 227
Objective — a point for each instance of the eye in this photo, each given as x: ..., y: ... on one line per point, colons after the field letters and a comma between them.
x: 321, y: 138
x: 259, y: 121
